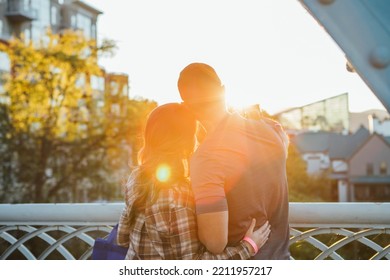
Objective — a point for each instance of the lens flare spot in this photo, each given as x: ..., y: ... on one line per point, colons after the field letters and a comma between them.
x: 163, y: 173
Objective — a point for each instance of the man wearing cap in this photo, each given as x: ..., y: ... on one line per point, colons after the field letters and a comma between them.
x: 238, y: 172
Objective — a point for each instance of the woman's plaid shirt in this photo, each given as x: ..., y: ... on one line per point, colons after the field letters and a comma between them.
x: 167, y: 229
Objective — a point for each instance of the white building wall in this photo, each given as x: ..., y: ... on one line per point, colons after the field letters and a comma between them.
x: 379, y: 126
x: 343, y: 191
x: 316, y: 162
x: 5, y: 68
x: 39, y: 26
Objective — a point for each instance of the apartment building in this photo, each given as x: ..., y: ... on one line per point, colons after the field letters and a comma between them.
x: 33, y: 17
x: 30, y: 19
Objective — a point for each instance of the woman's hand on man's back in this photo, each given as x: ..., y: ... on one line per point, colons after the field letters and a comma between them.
x: 259, y: 236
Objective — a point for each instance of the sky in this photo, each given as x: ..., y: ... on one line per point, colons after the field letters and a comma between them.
x: 268, y: 52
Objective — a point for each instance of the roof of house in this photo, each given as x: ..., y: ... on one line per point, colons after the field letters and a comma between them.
x: 312, y: 142
x: 88, y: 7
x: 343, y: 146
x: 335, y: 144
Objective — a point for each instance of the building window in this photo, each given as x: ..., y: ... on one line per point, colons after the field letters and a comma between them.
x: 125, y: 90
x: 97, y: 83
x: 84, y: 23
x: 93, y: 31
x: 27, y: 4
x: 114, y: 88
x: 73, y: 22
x: 362, y: 192
x: 27, y: 35
x: 53, y: 18
x: 387, y: 191
x: 370, y: 168
x: 383, y: 168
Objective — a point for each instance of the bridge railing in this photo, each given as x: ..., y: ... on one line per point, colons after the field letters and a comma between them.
x: 318, y: 230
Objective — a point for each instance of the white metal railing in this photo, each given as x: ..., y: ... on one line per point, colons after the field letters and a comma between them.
x: 62, y: 229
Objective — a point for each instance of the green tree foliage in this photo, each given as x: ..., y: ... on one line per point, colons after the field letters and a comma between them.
x: 302, y: 186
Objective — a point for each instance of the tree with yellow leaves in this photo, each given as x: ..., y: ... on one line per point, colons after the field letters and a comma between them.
x: 55, y: 134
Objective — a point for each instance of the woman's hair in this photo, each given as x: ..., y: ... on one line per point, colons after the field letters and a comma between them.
x: 169, y: 140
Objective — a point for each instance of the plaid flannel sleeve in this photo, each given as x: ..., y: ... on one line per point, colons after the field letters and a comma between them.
x: 240, y: 251
x: 185, y: 243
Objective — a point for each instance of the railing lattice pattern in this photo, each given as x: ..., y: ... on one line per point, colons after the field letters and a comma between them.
x: 318, y: 230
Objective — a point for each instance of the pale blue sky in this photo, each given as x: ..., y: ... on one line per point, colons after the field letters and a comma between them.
x: 270, y: 52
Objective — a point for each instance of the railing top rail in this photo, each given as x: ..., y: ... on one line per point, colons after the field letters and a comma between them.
x: 60, y: 214
x: 373, y: 215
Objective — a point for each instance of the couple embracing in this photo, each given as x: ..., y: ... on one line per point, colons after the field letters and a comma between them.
x: 223, y: 198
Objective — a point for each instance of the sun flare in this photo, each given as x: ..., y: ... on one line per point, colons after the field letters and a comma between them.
x: 163, y: 173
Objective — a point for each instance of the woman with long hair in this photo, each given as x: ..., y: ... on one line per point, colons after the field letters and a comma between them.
x: 159, y: 219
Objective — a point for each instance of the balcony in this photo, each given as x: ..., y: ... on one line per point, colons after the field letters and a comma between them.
x: 318, y: 230
x: 4, y: 37
x: 20, y: 11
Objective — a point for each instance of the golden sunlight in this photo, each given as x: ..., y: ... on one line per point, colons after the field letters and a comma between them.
x: 163, y: 173
x: 237, y: 102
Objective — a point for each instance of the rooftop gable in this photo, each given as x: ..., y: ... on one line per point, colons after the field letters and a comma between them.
x: 312, y: 142
x: 338, y: 146
x: 374, y: 135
